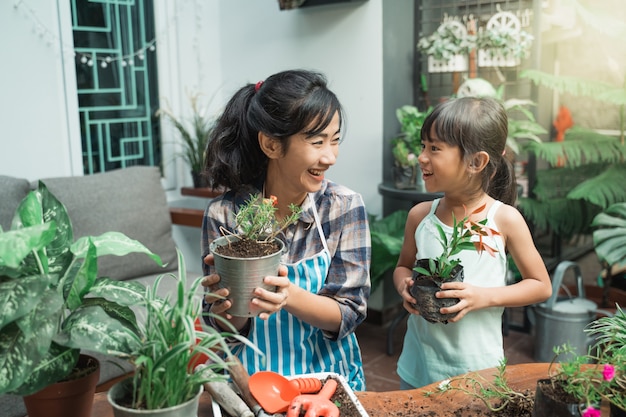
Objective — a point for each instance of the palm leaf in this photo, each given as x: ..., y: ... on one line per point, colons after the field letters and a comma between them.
x: 567, y: 84
x: 609, y: 238
x: 581, y: 147
x: 604, y: 189
x: 563, y: 216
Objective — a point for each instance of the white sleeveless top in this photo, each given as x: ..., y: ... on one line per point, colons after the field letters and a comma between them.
x: 436, y: 351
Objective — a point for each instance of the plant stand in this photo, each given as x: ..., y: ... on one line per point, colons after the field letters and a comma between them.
x: 490, y: 58
x: 458, y: 63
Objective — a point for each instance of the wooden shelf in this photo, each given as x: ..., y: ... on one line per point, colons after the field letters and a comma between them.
x: 186, y: 216
x: 192, y: 217
x: 201, y: 192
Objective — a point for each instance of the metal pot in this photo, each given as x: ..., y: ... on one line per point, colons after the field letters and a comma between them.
x: 562, y: 320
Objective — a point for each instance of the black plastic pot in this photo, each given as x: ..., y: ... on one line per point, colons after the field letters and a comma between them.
x: 424, y: 289
x: 547, y: 405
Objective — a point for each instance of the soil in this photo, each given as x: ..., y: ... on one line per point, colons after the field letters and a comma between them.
x: 246, y: 248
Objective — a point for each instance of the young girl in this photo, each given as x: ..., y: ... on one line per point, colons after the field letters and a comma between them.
x: 463, y: 147
x: 279, y: 137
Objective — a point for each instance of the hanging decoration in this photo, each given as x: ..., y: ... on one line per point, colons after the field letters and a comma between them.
x: 85, y: 58
x: 503, y: 43
x: 447, y: 48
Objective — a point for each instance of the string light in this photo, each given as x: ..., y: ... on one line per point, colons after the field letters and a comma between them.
x: 85, y: 58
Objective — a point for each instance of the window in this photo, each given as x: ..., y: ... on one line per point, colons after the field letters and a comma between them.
x: 116, y: 75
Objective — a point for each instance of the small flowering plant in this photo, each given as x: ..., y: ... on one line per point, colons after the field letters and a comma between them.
x: 462, y: 238
x: 256, y: 219
x: 600, y: 374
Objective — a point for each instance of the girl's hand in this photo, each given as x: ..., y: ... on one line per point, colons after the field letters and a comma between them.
x: 271, y: 302
x: 408, y: 300
x: 470, y: 299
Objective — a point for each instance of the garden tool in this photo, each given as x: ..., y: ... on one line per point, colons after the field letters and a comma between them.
x: 316, y: 404
x: 275, y: 392
x: 225, y: 396
x: 241, y: 379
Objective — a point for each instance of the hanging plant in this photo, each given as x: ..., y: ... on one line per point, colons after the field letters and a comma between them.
x: 447, y: 47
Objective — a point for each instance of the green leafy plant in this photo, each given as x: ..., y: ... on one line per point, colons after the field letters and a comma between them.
x: 446, y: 42
x: 504, y: 41
x: 169, y: 344
x: 387, y: 235
x: 53, y: 301
x: 256, y: 219
x: 497, y: 395
x: 194, y: 133
x: 462, y: 238
x: 408, y: 144
x: 609, y: 236
x: 601, y: 156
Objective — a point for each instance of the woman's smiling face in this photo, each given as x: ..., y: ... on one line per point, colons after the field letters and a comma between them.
x: 303, y: 164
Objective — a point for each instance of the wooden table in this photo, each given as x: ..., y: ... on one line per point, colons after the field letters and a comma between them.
x: 380, y: 404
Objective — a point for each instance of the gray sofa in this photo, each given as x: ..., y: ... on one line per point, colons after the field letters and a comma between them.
x: 131, y: 201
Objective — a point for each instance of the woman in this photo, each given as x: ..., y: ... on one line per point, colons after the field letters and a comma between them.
x: 278, y: 138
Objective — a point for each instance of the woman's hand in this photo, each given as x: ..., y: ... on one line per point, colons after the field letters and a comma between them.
x: 267, y: 301
x: 271, y: 302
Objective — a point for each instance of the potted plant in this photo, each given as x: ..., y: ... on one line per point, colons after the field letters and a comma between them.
x: 165, y: 352
x: 430, y: 274
x: 407, y: 146
x: 502, y: 43
x: 447, y: 47
x: 53, y: 301
x: 243, y: 258
x: 195, y: 136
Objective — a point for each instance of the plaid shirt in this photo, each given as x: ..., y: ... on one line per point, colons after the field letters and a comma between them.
x: 344, y: 222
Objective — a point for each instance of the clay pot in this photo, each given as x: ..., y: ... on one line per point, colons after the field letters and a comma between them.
x: 72, y: 398
x: 424, y: 289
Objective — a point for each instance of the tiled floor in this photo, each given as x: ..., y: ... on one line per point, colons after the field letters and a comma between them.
x: 380, y: 368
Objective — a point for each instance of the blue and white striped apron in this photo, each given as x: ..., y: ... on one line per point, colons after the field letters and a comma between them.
x: 293, y: 347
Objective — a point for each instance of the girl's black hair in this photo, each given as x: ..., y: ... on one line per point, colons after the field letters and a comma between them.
x: 477, y: 124
x: 286, y: 103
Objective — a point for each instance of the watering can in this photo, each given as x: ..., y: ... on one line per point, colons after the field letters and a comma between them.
x: 562, y: 320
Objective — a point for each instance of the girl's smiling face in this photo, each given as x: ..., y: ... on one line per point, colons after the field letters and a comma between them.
x: 301, y: 166
x: 441, y: 164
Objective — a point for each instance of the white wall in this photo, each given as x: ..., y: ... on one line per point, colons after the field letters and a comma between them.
x: 344, y: 41
x: 209, y: 46
x: 38, y: 139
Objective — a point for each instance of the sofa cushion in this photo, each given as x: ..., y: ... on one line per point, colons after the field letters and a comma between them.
x: 12, y: 192
x: 128, y: 200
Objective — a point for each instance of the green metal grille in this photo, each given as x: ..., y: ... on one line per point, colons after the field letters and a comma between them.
x: 114, y: 41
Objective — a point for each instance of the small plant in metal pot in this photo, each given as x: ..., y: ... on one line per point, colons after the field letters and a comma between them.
x: 429, y: 274
x: 243, y: 258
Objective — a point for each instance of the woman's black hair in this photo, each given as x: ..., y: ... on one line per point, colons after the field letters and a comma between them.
x: 285, y: 104
x: 477, y: 124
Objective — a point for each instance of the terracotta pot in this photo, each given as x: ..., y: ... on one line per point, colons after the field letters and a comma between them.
x: 547, y: 405
x: 424, y: 289
x: 122, y: 389
x: 72, y: 398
